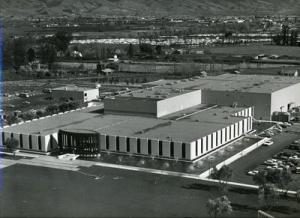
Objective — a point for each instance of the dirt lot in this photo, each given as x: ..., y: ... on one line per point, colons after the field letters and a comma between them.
x: 254, y: 50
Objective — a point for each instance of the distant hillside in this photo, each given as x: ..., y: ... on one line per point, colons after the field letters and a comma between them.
x: 20, y: 8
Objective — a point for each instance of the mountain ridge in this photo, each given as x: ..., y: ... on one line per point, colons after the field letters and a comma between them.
x: 148, y: 7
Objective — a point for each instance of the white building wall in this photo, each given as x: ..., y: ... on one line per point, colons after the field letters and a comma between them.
x: 144, y: 146
x: 35, y: 145
x: 103, y: 142
x: 199, y: 142
x: 191, y: 148
x: 236, y: 133
x: 214, y: 142
x: 91, y: 94
x: 209, y: 142
x: 133, y: 145
x: 55, y: 140
x: 177, y: 150
x: 25, y: 141
x: 284, y: 97
x: 241, y: 128
x: 232, y: 131
x: 228, y: 133
x: 166, y: 148
x: 219, y: 141
x: 204, y: 143
x: 223, y: 136
x: 123, y: 146
x: 112, y: 143
x: 177, y: 103
x: 154, y: 147
x: 46, y: 143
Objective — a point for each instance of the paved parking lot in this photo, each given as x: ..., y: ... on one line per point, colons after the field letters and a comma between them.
x: 258, y: 156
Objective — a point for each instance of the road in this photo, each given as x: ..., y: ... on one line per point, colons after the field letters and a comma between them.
x: 258, y: 156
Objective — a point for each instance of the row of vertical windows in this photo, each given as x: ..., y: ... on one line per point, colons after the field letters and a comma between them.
x: 30, y: 142
x: 172, y: 149
x: 40, y: 142
x: 183, y: 150
x: 138, y: 146
x: 21, y: 141
x: 107, y: 142
x: 226, y: 135
x: 127, y: 144
x: 118, y: 143
x: 160, y: 149
x: 149, y: 146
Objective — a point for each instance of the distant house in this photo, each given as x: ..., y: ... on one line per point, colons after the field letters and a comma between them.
x: 107, y: 71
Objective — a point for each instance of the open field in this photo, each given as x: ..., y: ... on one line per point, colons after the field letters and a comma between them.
x: 254, y: 50
x: 36, y: 191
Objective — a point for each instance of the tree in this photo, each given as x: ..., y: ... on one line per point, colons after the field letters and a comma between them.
x: 39, y: 113
x: 52, y: 109
x: 12, y: 145
x: 11, y: 119
x: 223, y: 175
x: 19, y: 53
x: 62, y: 40
x: 63, y: 107
x: 30, y: 55
x: 280, y: 178
x: 158, y: 49
x: 28, y: 116
x: 267, y: 195
x: 8, y: 45
x: 48, y: 54
x: 219, y: 206
x: 294, y: 38
x: 268, y: 182
x: 146, y: 48
x: 130, y: 51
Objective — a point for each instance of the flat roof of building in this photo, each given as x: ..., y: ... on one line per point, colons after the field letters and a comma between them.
x: 73, y: 88
x: 199, y: 123
x: 230, y: 82
x: 156, y: 93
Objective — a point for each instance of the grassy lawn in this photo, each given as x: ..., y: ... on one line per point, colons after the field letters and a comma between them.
x: 258, y: 49
x: 29, y: 191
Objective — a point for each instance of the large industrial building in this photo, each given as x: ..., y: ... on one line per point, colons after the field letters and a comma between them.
x: 186, y: 135
x: 173, y: 119
x: 267, y: 94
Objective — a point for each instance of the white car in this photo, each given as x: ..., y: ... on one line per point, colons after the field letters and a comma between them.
x: 268, y: 143
x: 253, y: 172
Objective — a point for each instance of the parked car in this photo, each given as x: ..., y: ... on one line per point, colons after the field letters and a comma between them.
x: 268, y: 143
x: 294, y: 147
x: 252, y: 172
x: 296, y: 170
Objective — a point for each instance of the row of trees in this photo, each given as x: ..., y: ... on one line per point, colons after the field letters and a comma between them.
x: 23, y: 50
x: 287, y: 37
